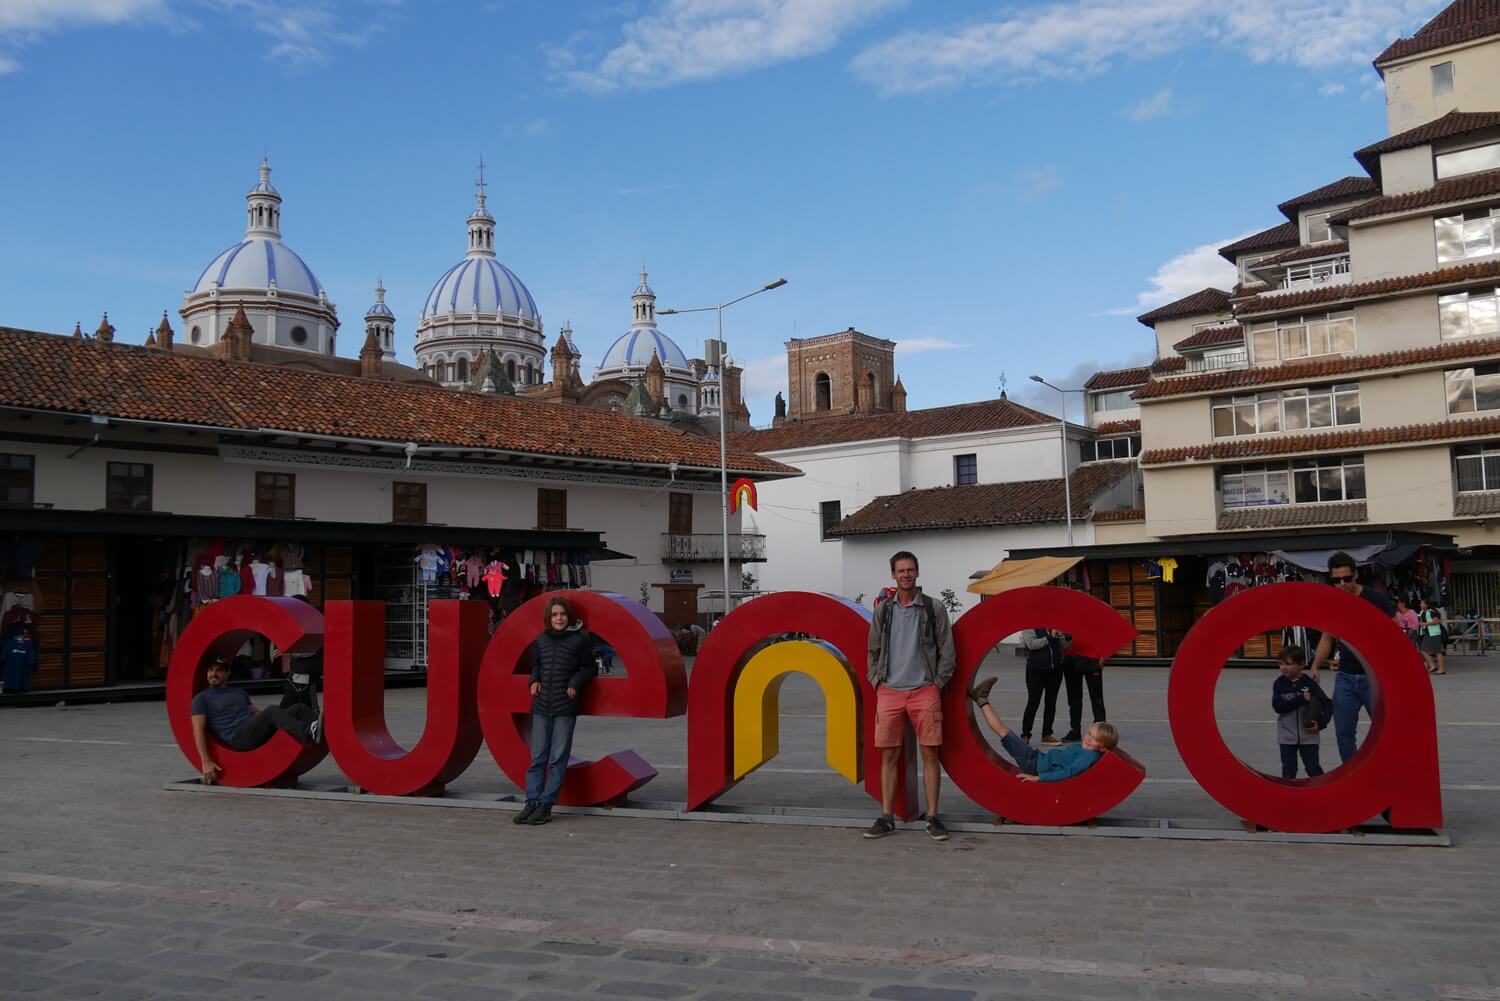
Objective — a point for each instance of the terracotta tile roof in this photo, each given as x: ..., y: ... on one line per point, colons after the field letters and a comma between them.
x: 1324, y: 295
x: 51, y: 372
x: 1120, y: 378
x: 983, y: 505
x: 1209, y: 337
x: 1123, y: 514
x: 1168, y: 365
x: 1484, y: 502
x: 1209, y: 300
x: 1293, y: 515
x: 1120, y: 427
x: 1463, y: 21
x: 1343, y: 188
x: 1318, y: 368
x: 1333, y: 248
x: 1455, y: 189
x: 1248, y: 289
x: 960, y: 418
x: 1348, y: 439
x: 1284, y: 235
x: 1454, y: 123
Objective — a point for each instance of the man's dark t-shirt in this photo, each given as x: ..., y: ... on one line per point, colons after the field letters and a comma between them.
x: 226, y: 709
x: 1349, y: 662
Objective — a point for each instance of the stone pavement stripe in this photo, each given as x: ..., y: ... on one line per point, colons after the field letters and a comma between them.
x: 805, y: 950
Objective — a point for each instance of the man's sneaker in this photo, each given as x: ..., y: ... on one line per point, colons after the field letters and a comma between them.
x: 881, y: 827
x: 1071, y: 737
x: 315, y: 731
x: 527, y: 812
x: 542, y: 815
x: 980, y: 693
x: 935, y: 829
x: 1050, y: 741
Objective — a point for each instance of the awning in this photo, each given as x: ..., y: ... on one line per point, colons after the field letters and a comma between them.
x: 1248, y: 542
x: 1011, y: 574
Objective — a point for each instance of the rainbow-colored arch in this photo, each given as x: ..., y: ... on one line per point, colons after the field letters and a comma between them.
x: 742, y: 491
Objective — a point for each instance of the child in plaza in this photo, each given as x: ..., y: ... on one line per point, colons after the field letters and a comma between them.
x: 1045, y: 766
x: 562, y: 663
x: 1302, y: 712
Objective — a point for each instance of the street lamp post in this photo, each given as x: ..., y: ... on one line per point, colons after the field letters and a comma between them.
x: 717, y: 362
x: 1062, y: 425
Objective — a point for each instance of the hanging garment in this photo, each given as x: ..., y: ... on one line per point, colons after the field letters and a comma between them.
x: 494, y: 578
x: 247, y: 579
x: 14, y: 598
x: 17, y: 661
x: 473, y: 571
x: 275, y: 581
x: 296, y: 583
x: 1217, y: 580
x: 229, y: 582
x: 1168, y: 568
x: 205, y: 585
x: 258, y: 573
x: 291, y: 556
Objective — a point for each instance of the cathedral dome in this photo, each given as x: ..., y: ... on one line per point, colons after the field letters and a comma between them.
x: 634, y: 348
x: 257, y: 263
x: 483, y: 285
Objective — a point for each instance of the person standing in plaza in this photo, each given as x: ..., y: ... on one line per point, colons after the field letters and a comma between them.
x: 1351, y: 691
x: 562, y: 663
x: 1430, y: 637
x: 1077, y: 672
x: 1302, y: 713
x: 1044, y: 656
x: 911, y: 659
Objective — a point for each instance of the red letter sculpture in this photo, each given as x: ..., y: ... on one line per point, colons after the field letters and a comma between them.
x: 975, y: 766
x: 838, y: 621
x: 354, y: 697
x: 222, y: 628
x: 654, y: 687
x: 1394, y: 772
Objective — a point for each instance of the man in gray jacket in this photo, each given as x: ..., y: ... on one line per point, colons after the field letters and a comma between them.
x: 910, y: 660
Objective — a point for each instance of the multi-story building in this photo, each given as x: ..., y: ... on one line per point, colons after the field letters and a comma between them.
x: 1346, y: 392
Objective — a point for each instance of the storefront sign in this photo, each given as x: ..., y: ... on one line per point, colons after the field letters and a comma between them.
x: 682, y: 577
x: 477, y: 693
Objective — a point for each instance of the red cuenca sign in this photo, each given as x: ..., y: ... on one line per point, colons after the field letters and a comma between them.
x: 477, y: 694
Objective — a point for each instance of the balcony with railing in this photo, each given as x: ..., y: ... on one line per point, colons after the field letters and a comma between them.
x: 708, y: 547
x: 1215, y: 361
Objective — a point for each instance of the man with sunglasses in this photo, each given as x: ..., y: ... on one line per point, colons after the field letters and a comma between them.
x: 1352, y: 688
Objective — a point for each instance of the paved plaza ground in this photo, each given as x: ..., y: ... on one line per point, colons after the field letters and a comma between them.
x: 112, y: 887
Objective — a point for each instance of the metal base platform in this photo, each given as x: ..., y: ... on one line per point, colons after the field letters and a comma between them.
x: 966, y: 823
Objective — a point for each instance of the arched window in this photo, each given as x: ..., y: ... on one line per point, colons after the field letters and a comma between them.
x: 822, y: 392
x: 682, y: 399
x: 463, y: 370
x: 869, y: 398
x: 196, y: 335
x: 529, y: 373
x: 510, y: 369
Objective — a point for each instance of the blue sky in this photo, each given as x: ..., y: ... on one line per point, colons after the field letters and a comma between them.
x: 997, y: 187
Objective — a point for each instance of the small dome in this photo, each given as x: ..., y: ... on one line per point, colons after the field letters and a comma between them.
x: 480, y: 284
x: 380, y: 310
x: 254, y: 264
x: 634, y: 349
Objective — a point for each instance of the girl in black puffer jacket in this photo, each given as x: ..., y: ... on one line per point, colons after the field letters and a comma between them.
x: 562, y: 662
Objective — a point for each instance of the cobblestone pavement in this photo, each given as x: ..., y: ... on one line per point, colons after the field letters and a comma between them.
x: 111, y: 887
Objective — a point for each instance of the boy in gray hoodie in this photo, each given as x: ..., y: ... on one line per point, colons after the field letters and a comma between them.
x: 1302, y: 712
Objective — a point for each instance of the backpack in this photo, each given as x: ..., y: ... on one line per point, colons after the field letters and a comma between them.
x: 931, y: 608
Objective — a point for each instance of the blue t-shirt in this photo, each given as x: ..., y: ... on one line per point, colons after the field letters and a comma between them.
x: 226, y: 709
x: 1065, y: 762
x: 1349, y: 661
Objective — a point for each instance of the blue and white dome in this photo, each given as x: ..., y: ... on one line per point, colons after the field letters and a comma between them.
x: 380, y: 309
x: 480, y: 284
x: 633, y: 350
x: 255, y: 264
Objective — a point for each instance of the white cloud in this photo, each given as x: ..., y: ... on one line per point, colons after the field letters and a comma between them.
x: 1331, y: 88
x: 1154, y: 106
x: 305, y: 32
x: 684, y: 40
x: 917, y: 345
x: 1188, y: 272
x: 8, y: 66
x: 1085, y: 37
x: 530, y: 130
x: 1047, y: 400
x: 1039, y: 182
x: 24, y: 22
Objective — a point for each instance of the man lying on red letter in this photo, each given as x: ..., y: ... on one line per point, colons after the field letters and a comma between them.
x: 1045, y: 766
x: 242, y: 726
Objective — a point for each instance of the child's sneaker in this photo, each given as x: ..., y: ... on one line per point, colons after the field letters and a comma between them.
x: 315, y: 731
x: 527, y: 812
x: 980, y: 693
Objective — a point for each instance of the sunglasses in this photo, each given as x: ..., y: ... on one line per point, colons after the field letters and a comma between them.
x: 1340, y: 580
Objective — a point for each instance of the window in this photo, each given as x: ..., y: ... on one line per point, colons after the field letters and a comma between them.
x: 1469, y: 314
x: 1118, y: 400
x: 966, y: 469
x: 1477, y: 467
x: 299, y: 335
x: 1301, y: 337
x: 17, y: 479
x: 409, y: 503
x: 1311, y: 481
x: 196, y: 335
x: 822, y: 392
x: 1120, y: 447
x: 680, y: 514
x: 1468, y: 161
x: 681, y: 400
x: 551, y: 508
x: 463, y: 370
x: 1473, y: 390
x: 128, y: 486
x: 1472, y: 234
x: 1317, y: 228
x: 1300, y: 409
x: 275, y: 495
x: 828, y: 512
x: 1442, y: 79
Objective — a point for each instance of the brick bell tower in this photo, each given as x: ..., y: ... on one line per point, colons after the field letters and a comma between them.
x: 838, y: 374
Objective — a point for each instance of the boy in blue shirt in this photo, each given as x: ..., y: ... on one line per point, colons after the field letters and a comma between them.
x: 1045, y: 766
